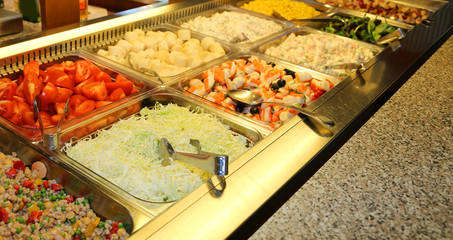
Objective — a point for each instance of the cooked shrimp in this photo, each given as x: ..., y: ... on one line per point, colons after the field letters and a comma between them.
x: 39, y: 169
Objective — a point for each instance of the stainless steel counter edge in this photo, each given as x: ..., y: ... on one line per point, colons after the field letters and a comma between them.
x: 264, y: 183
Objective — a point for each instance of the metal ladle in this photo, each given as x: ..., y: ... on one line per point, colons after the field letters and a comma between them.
x: 251, y: 98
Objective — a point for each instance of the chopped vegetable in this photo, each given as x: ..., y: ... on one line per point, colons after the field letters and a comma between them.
x: 364, y: 29
x: 126, y: 154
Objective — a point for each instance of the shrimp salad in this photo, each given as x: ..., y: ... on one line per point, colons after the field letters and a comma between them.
x: 33, y: 208
x: 319, y: 51
x: 273, y: 82
x: 228, y: 25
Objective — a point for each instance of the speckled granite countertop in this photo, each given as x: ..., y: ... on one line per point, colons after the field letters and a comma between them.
x: 393, y: 179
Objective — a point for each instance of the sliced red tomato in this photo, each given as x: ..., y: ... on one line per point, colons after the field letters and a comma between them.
x: 17, y: 118
x: 42, y: 74
x: 28, y: 119
x: 69, y: 67
x: 59, y: 107
x: 7, y: 108
x: 31, y: 68
x: 7, y: 89
x: 116, y: 95
x: 75, y: 101
x: 126, y: 85
x: 21, y: 99
x: 32, y: 87
x: 60, y: 79
x: 103, y: 76
x: 49, y: 94
x: 93, y: 68
x: 120, y: 78
x: 134, y: 90
x: 22, y: 107
x: 95, y: 90
x: 46, y: 118
x: 20, y: 91
x: 85, y: 107
x: 56, y: 66
x: 56, y: 118
x: 71, y: 116
x: 63, y: 94
x: 78, y: 89
x: 82, y: 71
x: 100, y: 104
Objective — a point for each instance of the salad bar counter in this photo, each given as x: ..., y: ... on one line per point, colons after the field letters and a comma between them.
x: 193, y: 120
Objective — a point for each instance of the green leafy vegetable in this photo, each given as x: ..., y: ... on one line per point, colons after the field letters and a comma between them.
x: 359, y: 28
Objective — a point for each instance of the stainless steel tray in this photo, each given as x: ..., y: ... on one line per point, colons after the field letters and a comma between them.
x: 182, y: 85
x: 351, y: 13
x: 103, y: 203
x: 318, y: 6
x: 164, y: 78
x: 285, y: 25
x: 253, y: 134
x: 34, y: 134
x: 428, y: 7
x: 306, y: 31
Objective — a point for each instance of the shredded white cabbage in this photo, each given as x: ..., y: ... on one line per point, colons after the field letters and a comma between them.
x: 126, y: 154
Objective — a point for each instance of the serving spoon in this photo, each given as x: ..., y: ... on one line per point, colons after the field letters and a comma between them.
x: 251, y: 98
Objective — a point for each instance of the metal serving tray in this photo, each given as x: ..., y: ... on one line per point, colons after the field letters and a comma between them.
x: 229, y: 8
x: 307, y: 30
x: 318, y: 6
x: 182, y: 85
x: 104, y: 204
x: 254, y: 134
x: 430, y: 6
x: 34, y: 134
x: 351, y: 13
x: 227, y: 47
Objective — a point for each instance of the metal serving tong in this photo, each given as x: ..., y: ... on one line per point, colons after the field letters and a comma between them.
x: 351, y: 65
x: 317, y: 19
x: 50, y: 135
x: 241, y: 37
x: 395, y: 35
x: 211, y: 162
